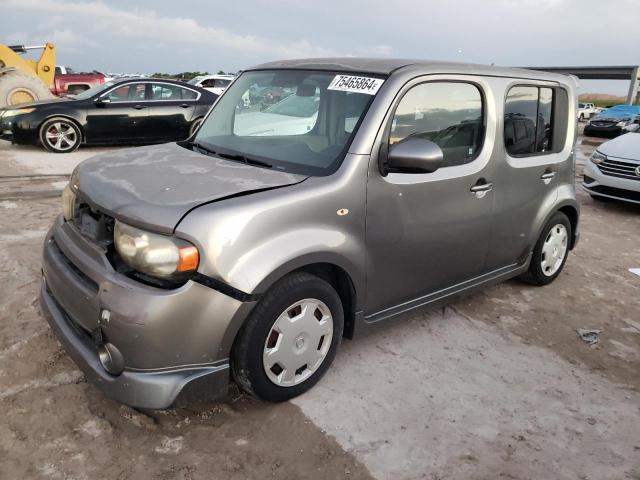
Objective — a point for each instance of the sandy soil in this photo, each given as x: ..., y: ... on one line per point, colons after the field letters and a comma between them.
x: 497, y: 385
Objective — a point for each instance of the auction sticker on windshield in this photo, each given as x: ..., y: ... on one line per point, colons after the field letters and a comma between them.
x: 350, y: 83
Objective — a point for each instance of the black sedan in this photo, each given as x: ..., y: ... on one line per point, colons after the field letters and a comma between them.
x: 133, y: 111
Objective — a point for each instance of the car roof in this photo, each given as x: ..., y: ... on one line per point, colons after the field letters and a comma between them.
x: 225, y: 76
x: 158, y: 80
x: 388, y: 66
x: 148, y: 79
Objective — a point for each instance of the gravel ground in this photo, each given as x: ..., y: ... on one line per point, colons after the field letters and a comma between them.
x: 496, y: 385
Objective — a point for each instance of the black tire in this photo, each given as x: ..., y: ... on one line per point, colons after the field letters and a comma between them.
x: 246, y: 357
x: 194, y: 126
x: 17, y: 87
x: 71, y: 129
x: 535, y: 275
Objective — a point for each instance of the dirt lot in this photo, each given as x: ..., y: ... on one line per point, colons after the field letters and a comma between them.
x: 496, y: 385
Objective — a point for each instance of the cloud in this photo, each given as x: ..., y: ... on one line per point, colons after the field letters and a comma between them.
x: 149, y: 26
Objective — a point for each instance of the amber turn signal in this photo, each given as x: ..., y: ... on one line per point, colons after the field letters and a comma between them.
x: 189, y: 259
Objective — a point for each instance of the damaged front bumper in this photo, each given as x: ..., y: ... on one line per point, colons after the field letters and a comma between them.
x: 162, y: 347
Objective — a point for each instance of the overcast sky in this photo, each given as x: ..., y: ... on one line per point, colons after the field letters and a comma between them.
x: 178, y: 35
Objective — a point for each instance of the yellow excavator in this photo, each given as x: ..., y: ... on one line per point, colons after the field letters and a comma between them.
x: 25, y: 80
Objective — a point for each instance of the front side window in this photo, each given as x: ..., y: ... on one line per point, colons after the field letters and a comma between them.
x: 127, y: 93
x: 528, y: 124
x: 449, y: 114
x: 294, y: 120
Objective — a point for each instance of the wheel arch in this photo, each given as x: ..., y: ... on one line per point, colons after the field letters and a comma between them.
x: 341, y: 281
x: 572, y: 214
x: 336, y: 275
x: 569, y: 208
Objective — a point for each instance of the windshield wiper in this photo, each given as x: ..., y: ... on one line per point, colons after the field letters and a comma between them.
x: 231, y: 156
x: 245, y: 159
x: 199, y: 146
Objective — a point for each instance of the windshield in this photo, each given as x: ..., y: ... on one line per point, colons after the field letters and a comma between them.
x: 194, y: 80
x: 92, y: 91
x: 293, y: 120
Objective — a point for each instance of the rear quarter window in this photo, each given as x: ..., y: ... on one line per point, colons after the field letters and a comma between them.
x: 535, y: 120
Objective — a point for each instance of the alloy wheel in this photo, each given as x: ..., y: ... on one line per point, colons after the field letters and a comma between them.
x: 61, y: 136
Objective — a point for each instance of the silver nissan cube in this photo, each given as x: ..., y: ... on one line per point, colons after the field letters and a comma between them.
x: 318, y: 199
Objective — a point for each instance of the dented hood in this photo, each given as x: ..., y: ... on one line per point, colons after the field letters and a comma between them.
x: 156, y: 186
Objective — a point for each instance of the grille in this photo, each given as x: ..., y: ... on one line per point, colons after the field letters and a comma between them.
x: 617, y: 192
x: 94, y: 225
x: 620, y: 168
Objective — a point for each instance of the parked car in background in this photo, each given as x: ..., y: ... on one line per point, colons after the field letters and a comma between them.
x: 214, y: 83
x: 586, y: 111
x: 244, y: 252
x: 136, y: 111
x: 614, y: 121
x: 613, y: 171
x: 67, y: 82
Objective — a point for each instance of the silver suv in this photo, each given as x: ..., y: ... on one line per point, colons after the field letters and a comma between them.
x: 375, y: 188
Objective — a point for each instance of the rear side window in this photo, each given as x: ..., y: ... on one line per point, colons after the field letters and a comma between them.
x: 171, y: 92
x: 449, y: 114
x: 528, y: 121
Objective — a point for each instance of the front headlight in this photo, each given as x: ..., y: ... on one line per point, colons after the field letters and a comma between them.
x: 156, y: 255
x: 597, y: 157
x: 622, y: 124
x: 68, y: 202
x: 17, y: 111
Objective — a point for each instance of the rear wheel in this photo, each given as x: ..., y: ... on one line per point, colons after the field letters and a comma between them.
x: 550, y: 252
x: 60, y: 135
x: 290, y: 339
x: 17, y: 87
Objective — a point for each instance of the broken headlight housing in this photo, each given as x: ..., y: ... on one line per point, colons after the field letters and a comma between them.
x: 69, y: 197
x: 153, y: 254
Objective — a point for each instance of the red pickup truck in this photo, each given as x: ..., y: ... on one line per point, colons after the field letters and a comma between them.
x: 67, y: 82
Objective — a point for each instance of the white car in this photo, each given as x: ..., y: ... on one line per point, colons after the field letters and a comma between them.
x: 293, y: 115
x: 613, y: 171
x: 214, y: 83
x: 586, y: 111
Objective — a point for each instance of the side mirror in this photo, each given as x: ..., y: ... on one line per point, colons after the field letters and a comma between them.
x: 103, y: 100
x: 414, y: 155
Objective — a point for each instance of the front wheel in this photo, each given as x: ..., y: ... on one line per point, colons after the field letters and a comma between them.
x: 290, y: 339
x: 60, y: 135
x: 550, y: 252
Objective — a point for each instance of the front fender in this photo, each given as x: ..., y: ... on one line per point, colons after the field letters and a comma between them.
x: 250, y: 242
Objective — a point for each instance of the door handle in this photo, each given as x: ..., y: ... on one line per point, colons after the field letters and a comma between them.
x: 547, y: 176
x: 484, y: 187
x: 481, y: 189
x: 185, y: 105
x: 139, y: 107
